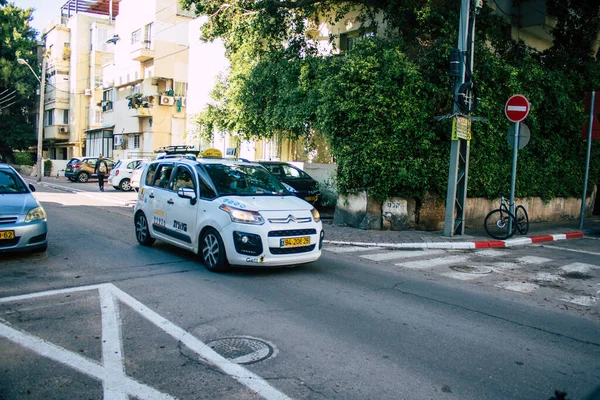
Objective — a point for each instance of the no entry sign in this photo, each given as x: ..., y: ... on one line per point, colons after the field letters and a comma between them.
x: 516, y: 108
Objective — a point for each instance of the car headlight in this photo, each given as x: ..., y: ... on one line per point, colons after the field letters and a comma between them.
x: 243, y: 216
x: 35, y: 213
x: 315, y: 214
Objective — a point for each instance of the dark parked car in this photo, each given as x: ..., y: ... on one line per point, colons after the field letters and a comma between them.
x: 303, y: 185
x: 82, y: 169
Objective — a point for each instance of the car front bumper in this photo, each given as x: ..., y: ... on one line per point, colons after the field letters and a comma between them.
x: 28, y: 236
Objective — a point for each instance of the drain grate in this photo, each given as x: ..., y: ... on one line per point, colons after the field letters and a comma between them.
x: 242, y: 350
x: 471, y: 269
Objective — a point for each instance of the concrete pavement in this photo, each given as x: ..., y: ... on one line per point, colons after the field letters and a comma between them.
x: 474, y: 237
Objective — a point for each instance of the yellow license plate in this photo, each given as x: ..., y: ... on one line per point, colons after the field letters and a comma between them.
x: 311, y: 198
x: 7, y: 235
x: 293, y: 242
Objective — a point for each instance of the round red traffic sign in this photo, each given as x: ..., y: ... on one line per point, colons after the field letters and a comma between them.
x: 516, y: 108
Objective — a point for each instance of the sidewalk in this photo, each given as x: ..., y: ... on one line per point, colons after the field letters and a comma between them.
x: 474, y: 237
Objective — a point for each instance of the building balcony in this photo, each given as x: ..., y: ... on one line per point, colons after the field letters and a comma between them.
x: 140, y: 112
x: 143, y: 52
x: 56, y: 132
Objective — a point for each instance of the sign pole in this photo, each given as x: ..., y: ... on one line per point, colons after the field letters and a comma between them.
x: 587, y: 160
x: 513, y: 175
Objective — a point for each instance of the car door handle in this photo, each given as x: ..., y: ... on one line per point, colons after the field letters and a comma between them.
x: 151, y: 195
x: 170, y: 201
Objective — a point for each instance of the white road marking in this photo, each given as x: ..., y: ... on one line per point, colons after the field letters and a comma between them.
x: 581, y: 300
x: 350, y: 249
x: 518, y: 286
x: 436, y: 262
x: 533, y: 260
x: 573, y: 250
x: 489, y: 253
x: 116, y: 384
x: 547, y: 277
x: 461, y: 276
x: 578, y: 267
x: 400, y: 254
x: 112, y: 346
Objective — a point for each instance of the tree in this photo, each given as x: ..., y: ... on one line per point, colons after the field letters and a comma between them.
x: 376, y: 104
x: 17, y: 83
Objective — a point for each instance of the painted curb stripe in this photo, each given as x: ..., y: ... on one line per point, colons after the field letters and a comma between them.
x: 544, y: 238
x: 466, y: 245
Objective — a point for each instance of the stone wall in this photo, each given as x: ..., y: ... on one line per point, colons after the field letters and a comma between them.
x: 361, y: 211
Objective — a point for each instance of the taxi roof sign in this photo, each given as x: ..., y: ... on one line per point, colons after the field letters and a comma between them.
x: 213, y: 153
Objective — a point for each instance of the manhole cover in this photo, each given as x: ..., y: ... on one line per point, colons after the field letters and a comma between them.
x: 242, y: 350
x: 471, y: 269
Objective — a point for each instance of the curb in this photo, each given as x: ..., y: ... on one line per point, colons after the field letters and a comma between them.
x: 467, y: 245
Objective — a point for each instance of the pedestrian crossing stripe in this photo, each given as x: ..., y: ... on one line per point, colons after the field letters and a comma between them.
x: 400, y: 254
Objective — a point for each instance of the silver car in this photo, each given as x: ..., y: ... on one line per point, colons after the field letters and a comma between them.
x: 23, y: 224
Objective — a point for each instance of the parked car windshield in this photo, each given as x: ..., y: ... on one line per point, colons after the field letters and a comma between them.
x: 244, y: 180
x: 10, y: 183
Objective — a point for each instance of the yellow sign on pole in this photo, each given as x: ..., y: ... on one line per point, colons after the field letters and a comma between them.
x: 461, y: 128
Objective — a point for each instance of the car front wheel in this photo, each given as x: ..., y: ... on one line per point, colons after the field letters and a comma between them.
x: 212, y: 251
x: 83, y: 177
x: 142, y: 230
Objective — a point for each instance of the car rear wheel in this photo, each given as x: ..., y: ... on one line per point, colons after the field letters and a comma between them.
x: 83, y: 177
x: 125, y: 185
x: 142, y: 230
x: 212, y: 251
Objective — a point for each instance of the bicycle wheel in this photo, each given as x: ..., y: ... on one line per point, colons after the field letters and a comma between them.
x: 496, y: 224
x: 522, y: 220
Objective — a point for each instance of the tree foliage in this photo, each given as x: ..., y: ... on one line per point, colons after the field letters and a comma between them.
x: 376, y: 104
x: 17, y: 83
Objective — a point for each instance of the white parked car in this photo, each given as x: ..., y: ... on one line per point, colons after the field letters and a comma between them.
x: 229, y: 212
x: 120, y: 175
x: 137, y: 174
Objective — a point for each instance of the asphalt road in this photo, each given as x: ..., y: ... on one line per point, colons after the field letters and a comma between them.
x: 98, y: 316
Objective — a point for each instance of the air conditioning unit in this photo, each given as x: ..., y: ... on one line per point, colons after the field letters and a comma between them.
x: 184, y: 102
x: 63, y: 129
x: 87, y: 92
x: 167, y: 100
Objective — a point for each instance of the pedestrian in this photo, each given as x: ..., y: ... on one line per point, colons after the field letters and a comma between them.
x: 101, y: 170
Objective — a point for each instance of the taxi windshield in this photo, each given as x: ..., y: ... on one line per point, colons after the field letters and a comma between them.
x: 244, y: 180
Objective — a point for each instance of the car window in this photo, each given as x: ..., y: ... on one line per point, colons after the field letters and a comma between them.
x: 183, y: 178
x: 118, y: 164
x: 91, y: 162
x: 151, y: 173
x: 241, y: 179
x: 291, y: 172
x: 11, y: 183
x: 132, y: 164
x: 163, y: 176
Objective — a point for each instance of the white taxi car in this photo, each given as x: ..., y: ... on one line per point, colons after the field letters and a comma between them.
x: 230, y: 212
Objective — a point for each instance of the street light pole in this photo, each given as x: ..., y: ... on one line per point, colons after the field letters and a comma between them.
x: 40, y: 135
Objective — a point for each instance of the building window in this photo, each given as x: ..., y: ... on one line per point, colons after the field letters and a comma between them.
x: 180, y: 89
x: 136, y: 36
x: 49, y: 117
x: 148, y: 35
x: 348, y: 40
x: 107, y: 100
x: 66, y: 117
x: 136, y: 141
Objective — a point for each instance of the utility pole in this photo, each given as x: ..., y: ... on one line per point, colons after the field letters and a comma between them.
x: 464, y: 104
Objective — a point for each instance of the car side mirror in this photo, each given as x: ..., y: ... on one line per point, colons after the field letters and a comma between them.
x: 187, y: 193
x: 31, y: 187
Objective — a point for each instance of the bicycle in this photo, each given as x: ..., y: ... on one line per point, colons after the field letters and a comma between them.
x: 497, y: 222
